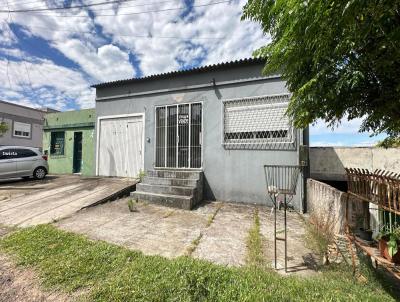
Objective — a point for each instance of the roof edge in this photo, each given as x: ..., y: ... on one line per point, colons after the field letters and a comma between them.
x: 246, y: 61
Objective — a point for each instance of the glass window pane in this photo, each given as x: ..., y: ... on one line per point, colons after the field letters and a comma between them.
x: 57, y: 143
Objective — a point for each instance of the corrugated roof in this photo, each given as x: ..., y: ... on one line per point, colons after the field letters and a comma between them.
x: 247, y: 61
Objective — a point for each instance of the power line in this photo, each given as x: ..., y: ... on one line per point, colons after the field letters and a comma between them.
x: 65, y: 7
x: 119, y: 14
x: 30, y: 2
x: 136, y: 5
x: 129, y: 35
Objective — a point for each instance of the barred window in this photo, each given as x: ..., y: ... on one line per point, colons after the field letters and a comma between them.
x: 257, y: 123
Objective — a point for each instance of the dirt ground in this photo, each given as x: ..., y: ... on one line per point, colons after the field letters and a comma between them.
x: 21, y: 284
x: 154, y: 229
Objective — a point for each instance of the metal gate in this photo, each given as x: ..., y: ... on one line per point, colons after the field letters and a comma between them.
x: 179, y: 136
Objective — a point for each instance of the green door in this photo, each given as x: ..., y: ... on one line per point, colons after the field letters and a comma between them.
x: 77, y: 159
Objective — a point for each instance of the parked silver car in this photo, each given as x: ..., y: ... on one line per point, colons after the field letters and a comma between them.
x: 22, y: 162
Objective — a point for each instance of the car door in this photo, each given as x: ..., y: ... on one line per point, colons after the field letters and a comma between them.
x: 8, y: 165
x: 25, y: 160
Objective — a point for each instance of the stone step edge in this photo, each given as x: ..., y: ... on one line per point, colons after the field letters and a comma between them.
x: 162, y: 195
x: 196, y: 176
x: 173, y: 178
x: 167, y: 186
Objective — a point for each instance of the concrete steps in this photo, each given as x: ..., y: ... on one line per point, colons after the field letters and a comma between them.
x: 165, y: 189
x: 178, y: 182
x: 178, y: 189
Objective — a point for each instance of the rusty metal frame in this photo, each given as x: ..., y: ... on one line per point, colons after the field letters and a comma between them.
x: 379, y: 187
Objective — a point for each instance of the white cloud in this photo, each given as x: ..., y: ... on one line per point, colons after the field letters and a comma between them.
x: 43, y: 84
x: 327, y: 143
x: 345, y: 127
x: 160, y: 42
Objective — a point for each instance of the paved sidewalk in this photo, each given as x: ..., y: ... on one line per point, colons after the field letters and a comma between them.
x: 157, y: 230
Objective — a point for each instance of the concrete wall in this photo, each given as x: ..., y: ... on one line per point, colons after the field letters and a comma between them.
x: 329, y: 205
x: 328, y: 163
x: 70, y: 122
x: 11, y: 113
x: 230, y: 175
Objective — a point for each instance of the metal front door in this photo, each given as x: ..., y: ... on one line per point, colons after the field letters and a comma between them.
x: 77, y: 160
x: 179, y: 136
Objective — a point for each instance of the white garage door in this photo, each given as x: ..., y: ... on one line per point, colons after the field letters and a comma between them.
x: 120, y: 146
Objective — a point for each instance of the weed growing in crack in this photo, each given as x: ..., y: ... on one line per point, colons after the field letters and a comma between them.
x: 131, y: 206
x: 212, y: 217
x: 255, y: 244
x: 194, y: 245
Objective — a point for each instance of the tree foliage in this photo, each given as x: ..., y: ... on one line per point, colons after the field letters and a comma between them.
x: 341, y: 59
x: 3, y: 128
x: 389, y: 142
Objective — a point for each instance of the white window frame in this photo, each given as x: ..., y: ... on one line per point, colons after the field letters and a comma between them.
x: 267, y: 143
x: 15, y: 124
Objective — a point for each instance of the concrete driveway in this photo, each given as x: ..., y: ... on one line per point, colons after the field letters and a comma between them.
x: 219, y: 231
x: 30, y: 202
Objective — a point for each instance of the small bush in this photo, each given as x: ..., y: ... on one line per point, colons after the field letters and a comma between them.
x: 141, y: 175
x: 131, y: 206
x: 319, y: 234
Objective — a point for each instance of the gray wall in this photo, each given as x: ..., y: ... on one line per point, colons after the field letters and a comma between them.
x: 328, y: 163
x: 328, y: 204
x: 10, y: 113
x: 230, y: 175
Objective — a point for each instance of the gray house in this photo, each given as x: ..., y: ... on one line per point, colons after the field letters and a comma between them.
x: 201, y: 133
x: 25, y: 125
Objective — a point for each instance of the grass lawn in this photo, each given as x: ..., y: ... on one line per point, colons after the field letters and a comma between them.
x: 71, y: 262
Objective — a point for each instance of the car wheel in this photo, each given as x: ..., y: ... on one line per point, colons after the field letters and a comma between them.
x: 39, y: 173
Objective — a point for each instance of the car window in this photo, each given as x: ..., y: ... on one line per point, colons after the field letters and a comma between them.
x: 22, y: 153
x: 8, y: 154
x: 16, y: 153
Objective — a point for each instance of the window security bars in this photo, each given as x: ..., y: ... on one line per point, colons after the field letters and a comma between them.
x: 179, y: 136
x: 257, y: 123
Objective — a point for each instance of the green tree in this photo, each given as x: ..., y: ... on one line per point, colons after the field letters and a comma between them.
x: 3, y: 128
x: 340, y: 58
x: 389, y: 142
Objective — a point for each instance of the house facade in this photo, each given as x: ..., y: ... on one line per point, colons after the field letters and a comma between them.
x: 225, y: 121
x: 25, y: 125
x: 68, y: 140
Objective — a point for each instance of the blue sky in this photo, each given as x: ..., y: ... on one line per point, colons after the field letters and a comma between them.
x: 50, y: 59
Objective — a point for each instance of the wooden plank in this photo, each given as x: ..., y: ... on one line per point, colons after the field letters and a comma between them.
x: 374, y: 252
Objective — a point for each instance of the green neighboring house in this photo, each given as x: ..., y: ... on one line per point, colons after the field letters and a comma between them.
x: 68, y: 140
